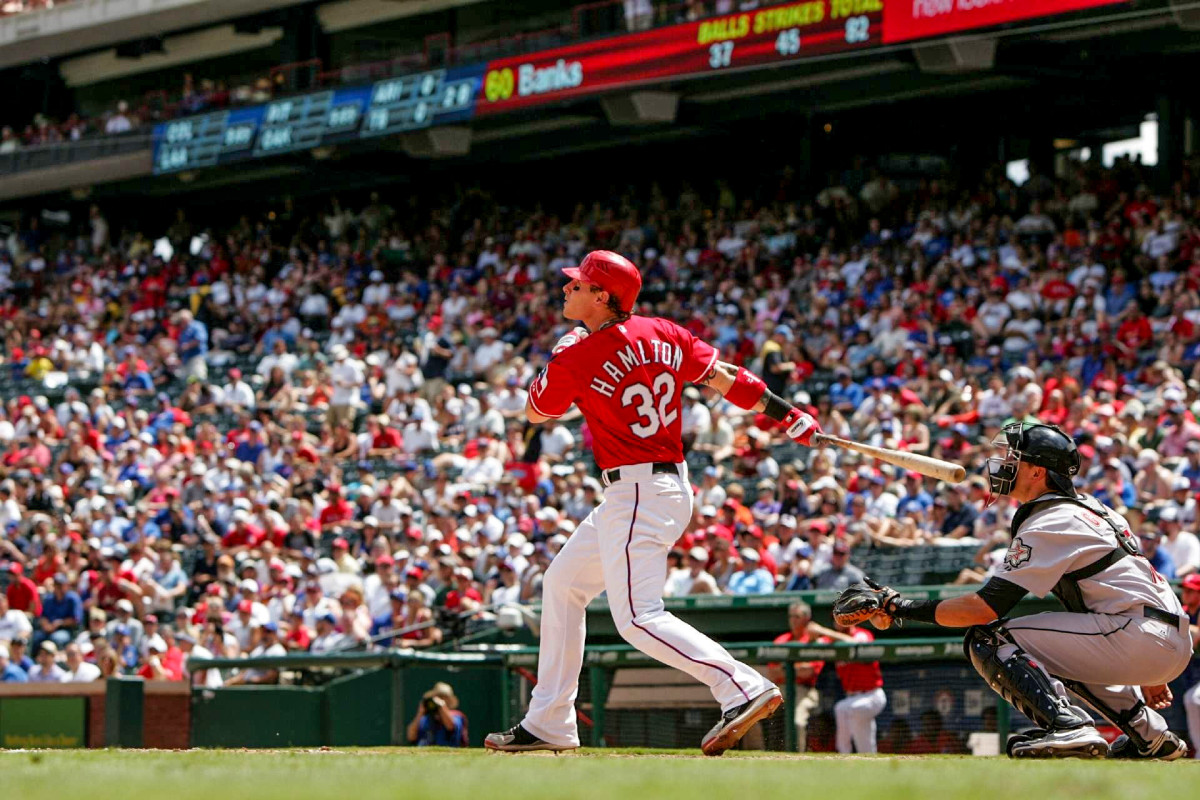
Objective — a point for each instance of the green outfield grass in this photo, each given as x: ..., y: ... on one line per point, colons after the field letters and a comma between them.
x: 625, y: 774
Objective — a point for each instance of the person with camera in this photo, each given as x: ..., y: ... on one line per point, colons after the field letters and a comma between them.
x: 438, y: 721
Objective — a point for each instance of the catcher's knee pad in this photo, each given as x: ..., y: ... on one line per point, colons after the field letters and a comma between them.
x: 1019, y: 680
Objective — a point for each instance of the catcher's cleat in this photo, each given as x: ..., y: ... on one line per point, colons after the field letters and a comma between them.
x: 737, y: 722
x: 1168, y: 748
x: 519, y: 740
x: 1082, y: 742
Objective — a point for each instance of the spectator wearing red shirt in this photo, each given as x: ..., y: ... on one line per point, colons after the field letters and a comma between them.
x: 298, y: 637
x: 339, y: 509
x: 862, y: 682
x: 22, y: 593
x: 1135, y: 332
x: 243, y: 535
x: 1056, y: 410
x: 157, y: 667
x: 117, y: 584
x: 801, y: 630
x: 47, y: 566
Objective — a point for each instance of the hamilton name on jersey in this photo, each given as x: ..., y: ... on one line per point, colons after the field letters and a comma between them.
x: 632, y: 356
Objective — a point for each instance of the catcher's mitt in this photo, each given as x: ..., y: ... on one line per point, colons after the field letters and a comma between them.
x: 861, y: 602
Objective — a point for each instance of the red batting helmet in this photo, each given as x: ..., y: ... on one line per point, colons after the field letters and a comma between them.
x: 612, y: 272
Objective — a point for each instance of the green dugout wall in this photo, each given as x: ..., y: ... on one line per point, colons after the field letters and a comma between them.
x: 370, y: 706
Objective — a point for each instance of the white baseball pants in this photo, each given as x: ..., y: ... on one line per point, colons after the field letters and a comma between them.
x: 1105, y: 659
x: 622, y: 548
x: 855, y: 715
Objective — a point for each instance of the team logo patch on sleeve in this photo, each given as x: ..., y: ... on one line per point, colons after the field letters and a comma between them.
x: 1018, y: 554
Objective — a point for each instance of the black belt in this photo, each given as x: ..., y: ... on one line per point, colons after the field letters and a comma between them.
x: 1150, y: 612
x: 611, y: 476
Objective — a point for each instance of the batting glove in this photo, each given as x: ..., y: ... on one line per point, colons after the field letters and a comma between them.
x: 800, y: 427
x: 573, y: 337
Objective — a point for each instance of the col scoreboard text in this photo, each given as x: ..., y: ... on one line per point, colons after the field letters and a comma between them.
x: 306, y: 121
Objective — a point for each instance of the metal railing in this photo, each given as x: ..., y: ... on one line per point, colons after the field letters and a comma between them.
x: 54, y: 155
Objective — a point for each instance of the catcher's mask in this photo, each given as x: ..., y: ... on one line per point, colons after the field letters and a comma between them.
x: 1041, y: 445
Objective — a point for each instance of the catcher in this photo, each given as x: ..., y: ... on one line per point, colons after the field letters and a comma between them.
x: 1123, y: 635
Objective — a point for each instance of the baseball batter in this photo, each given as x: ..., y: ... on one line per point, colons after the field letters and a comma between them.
x: 626, y: 374
x: 1122, y: 638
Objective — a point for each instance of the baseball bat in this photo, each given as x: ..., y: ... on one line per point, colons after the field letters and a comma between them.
x: 932, y: 467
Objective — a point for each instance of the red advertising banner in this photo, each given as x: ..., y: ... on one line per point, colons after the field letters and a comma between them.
x: 916, y: 19
x: 772, y: 35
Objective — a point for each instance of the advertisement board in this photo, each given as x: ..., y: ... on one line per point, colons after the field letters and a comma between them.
x: 55, y: 722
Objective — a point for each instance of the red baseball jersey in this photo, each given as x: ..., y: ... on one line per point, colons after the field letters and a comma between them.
x: 860, y: 676
x: 627, y: 380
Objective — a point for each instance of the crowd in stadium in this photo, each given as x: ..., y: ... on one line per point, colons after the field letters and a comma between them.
x: 305, y: 432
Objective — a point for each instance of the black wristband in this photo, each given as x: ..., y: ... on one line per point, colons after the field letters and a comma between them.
x: 919, y: 610
x: 775, y: 406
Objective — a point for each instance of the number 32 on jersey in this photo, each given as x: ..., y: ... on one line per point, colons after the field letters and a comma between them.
x: 643, y: 398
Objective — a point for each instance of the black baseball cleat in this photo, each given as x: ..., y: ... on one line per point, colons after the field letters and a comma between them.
x: 1082, y: 742
x: 1168, y: 748
x: 737, y: 722
x: 519, y: 740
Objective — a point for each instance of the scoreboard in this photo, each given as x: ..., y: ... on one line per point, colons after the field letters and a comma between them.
x: 773, y: 35
x: 765, y: 37
x: 303, y: 122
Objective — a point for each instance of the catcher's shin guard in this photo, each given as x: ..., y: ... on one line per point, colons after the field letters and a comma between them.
x: 1019, y: 681
x: 1122, y: 719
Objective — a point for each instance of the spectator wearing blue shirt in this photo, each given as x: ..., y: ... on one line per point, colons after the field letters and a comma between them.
x: 139, y: 381
x: 960, y: 516
x: 845, y: 394
x: 275, y: 333
x: 165, y: 417
x: 143, y: 527
x: 1112, y: 489
x: 752, y: 578
x: 1119, y: 294
x: 10, y: 673
x: 1159, y: 559
x: 252, y: 446
x: 917, y: 497
x: 438, y: 722
x: 193, y: 346
x: 1093, y: 363
x: 123, y: 645
x: 62, y: 613
x: 394, y: 619
x: 130, y: 469
x: 1190, y: 468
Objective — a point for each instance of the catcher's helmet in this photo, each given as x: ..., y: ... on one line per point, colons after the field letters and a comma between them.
x: 1042, y: 445
x: 612, y: 272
